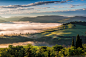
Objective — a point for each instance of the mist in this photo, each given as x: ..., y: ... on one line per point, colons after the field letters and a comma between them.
x: 25, y: 27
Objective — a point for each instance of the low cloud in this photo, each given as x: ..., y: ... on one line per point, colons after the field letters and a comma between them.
x: 22, y: 11
x: 24, y: 27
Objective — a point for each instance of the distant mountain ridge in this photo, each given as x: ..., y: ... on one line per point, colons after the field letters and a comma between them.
x: 53, y: 19
x: 46, y: 19
x: 43, y: 19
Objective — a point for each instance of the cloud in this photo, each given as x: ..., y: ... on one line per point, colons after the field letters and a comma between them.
x: 42, y: 8
x: 82, y: 0
x: 68, y: 0
x: 25, y: 11
x: 25, y: 8
x: 33, y: 4
x: 64, y: 10
x: 21, y: 10
x: 70, y: 5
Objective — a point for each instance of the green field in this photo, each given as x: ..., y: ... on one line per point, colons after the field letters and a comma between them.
x: 69, y: 31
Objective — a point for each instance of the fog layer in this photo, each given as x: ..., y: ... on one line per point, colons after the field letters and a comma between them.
x: 25, y: 27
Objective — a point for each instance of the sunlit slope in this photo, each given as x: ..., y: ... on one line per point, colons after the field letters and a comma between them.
x: 70, y: 32
x: 65, y: 30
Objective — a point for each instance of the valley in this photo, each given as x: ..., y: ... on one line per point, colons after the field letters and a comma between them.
x: 61, y: 35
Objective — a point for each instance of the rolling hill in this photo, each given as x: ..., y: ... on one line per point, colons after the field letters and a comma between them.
x: 2, y: 21
x: 53, y: 19
x: 63, y: 34
x: 16, y: 18
x: 46, y: 19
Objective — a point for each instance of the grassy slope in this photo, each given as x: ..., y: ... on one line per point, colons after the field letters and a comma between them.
x: 62, y: 36
x: 79, y: 29
x: 70, y: 32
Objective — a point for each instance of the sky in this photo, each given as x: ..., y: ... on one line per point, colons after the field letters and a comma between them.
x: 33, y: 8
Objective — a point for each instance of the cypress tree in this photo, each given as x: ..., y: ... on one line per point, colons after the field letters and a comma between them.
x: 81, y: 43
x: 78, y: 42
x: 73, y: 42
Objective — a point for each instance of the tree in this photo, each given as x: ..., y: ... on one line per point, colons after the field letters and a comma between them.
x: 78, y: 42
x: 73, y: 42
x: 57, y: 47
x: 29, y: 51
x: 21, y: 53
x: 49, y: 53
x: 43, y: 48
x: 14, y: 51
x: 81, y: 43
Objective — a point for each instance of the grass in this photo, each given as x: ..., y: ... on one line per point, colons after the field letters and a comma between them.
x: 80, y: 29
